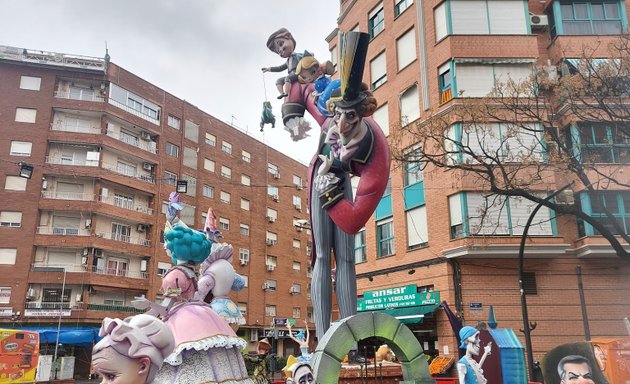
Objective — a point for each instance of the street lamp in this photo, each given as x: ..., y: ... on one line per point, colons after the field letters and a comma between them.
x: 521, y: 278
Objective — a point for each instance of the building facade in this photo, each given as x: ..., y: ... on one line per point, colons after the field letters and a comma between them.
x: 425, y: 58
x: 83, y: 235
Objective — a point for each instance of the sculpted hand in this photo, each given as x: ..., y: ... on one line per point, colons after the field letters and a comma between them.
x: 265, y: 69
x: 488, y: 349
x: 325, y: 179
x: 327, y: 162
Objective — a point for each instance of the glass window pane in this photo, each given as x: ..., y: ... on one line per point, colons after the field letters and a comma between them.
x: 581, y: 10
x: 612, y: 10
x: 598, y: 11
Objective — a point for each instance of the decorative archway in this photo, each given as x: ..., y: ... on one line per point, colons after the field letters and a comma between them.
x: 345, y: 333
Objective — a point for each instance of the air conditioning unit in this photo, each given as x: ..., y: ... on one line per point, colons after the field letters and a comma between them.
x: 271, y: 242
x: 271, y: 219
x: 270, y: 267
x: 274, y: 197
x: 276, y: 175
x: 104, y: 193
x: 32, y: 294
x: 146, y: 136
x: 538, y: 21
x: 243, y: 262
x: 299, y: 229
x: 147, y: 166
x: 141, y: 228
x: 298, y: 207
x: 299, y: 187
x: 294, y: 290
x: 266, y: 286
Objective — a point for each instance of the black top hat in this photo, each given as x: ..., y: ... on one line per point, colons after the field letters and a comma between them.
x: 352, y: 54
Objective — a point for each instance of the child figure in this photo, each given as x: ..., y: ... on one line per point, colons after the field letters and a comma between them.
x: 309, y: 70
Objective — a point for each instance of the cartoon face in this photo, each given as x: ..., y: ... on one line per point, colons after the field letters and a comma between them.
x: 114, y: 368
x: 283, y: 46
x: 577, y: 373
x: 348, y: 121
x: 303, y: 375
x: 309, y: 75
x: 474, y: 344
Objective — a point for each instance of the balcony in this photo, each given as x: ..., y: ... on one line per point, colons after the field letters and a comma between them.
x: 134, y: 112
x: 113, y: 308
x: 52, y: 305
x: 145, y: 145
x: 83, y: 94
x: 120, y: 273
x: 67, y: 196
x: 44, y: 267
x: 60, y: 160
x: 65, y: 126
x: 126, y: 204
x: 61, y: 231
x: 129, y: 172
x: 126, y: 239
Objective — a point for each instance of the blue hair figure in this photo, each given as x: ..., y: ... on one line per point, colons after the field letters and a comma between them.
x: 186, y: 245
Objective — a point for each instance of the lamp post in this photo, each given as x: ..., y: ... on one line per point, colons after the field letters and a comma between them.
x: 521, y: 277
x: 63, y: 288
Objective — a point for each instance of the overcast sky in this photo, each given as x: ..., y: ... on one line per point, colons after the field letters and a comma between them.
x: 208, y: 52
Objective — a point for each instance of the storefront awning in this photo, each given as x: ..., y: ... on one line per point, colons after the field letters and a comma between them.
x: 411, y: 315
x: 82, y: 336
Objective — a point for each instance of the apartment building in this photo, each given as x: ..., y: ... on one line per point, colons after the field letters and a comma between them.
x: 424, y: 244
x: 83, y: 235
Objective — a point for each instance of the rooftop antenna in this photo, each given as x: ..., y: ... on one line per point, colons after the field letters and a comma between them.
x: 232, y: 121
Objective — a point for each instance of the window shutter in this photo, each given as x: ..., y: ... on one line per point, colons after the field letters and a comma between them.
x: 30, y: 83
x: 406, y: 48
x: 190, y: 158
x: 474, y: 80
x: 517, y: 72
x: 455, y: 209
x: 378, y: 67
x: 15, y: 183
x: 7, y: 255
x: 440, y: 22
x: 381, y: 116
x: 520, y: 209
x: 191, y: 131
x: 61, y: 258
x: 409, y: 105
x: 507, y: 17
x: 469, y: 17
x: 10, y: 217
x: 21, y: 148
x: 417, y: 231
x: 488, y: 214
x: 188, y: 213
x: 25, y: 115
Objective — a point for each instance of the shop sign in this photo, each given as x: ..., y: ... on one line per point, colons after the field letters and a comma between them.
x: 5, y: 295
x: 47, y: 312
x: 396, y: 297
x: 6, y: 311
x: 475, y: 306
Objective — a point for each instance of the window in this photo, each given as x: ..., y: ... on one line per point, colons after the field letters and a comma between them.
x: 208, y: 165
x: 529, y: 283
x: 163, y: 267
x: 15, y: 183
x: 406, y: 49
x: 360, y: 252
x: 243, y: 308
x: 5, y: 295
x: 21, y: 148
x: 333, y: 56
x: 245, y: 280
x: 270, y: 310
x: 378, y: 71
x: 53, y: 295
x: 208, y: 191
x: 226, y: 197
x: 297, y: 313
x: 481, y: 17
x: 246, y: 180
x: 295, y: 288
x: 587, y: 17
x: 604, y: 142
x: 409, y: 105
x: 174, y: 122
x: 224, y: 224
x: 271, y: 261
x: 297, y: 244
x: 401, y: 6
x: 191, y: 131
x: 444, y: 79
x: 10, y: 219
x: 297, y: 266
x: 297, y: 202
x: 192, y: 184
x: 171, y: 149
x: 272, y: 238
x: 376, y: 21
x: 211, y: 139
x: 243, y: 256
x: 596, y: 204
x: 417, y: 229
x: 245, y: 204
x: 190, y: 157
x: 244, y: 229
x: 226, y: 147
x: 381, y: 116
x: 246, y: 156
x: 272, y: 214
x: 25, y: 115
x: 309, y: 315
x: 7, y: 256
x: 170, y: 178
x: 479, y: 80
x: 226, y: 172
x: 30, y: 83
x: 385, y: 237
x: 134, y: 104
x: 117, y: 267
x: 273, y: 169
x: 123, y: 201
x: 297, y: 181
x: 272, y: 191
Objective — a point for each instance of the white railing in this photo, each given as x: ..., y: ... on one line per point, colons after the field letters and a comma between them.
x: 133, y: 111
x: 120, y: 273
x: 148, y: 146
x: 125, y: 204
x: 80, y: 94
x: 68, y: 195
x: 67, y: 267
x: 62, y: 231
x: 66, y: 127
x: 62, y: 161
x: 125, y: 239
x: 128, y: 172
x: 51, y: 58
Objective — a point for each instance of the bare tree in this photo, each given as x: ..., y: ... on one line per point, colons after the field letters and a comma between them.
x: 565, y: 124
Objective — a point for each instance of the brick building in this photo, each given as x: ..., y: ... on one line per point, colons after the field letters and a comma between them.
x: 421, y: 55
x: 82, y: 237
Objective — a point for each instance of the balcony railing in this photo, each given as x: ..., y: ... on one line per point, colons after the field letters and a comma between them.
x: 46, y: 267
x: 113, y: 308
x: 148, y: 146
x: 68, y: 195
x: 62, y: 231
x: 80, y: 94
x: 51, y: 305
x: 65, y: 161
x: 67, y: 127
x: 134, y: 112
x: 130, y: 172
x: 120, y: 273
x: 125, y: 204
x: 125, y: 239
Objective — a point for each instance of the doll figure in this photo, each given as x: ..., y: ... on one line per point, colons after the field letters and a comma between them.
x: 132, y: 350
x: 283, y: 43
x: 309, y: 70
x: 468, y: 370
x: 302, y: 340
x: 267, y: 116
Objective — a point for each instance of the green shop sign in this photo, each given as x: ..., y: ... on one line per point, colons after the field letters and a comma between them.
x: 397, y: 297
